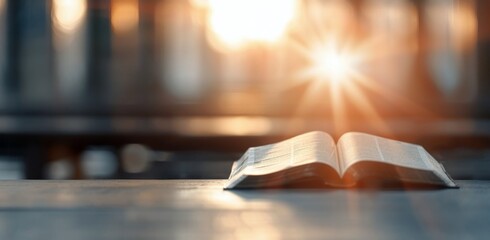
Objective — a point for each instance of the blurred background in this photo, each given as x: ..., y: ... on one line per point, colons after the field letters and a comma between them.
x: 169, y: 89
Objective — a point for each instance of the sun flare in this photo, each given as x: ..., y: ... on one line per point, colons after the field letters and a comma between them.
x: 332, y: 65
x: 336, y: 75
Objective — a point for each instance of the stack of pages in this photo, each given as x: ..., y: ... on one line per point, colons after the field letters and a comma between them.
x: 357, y: 159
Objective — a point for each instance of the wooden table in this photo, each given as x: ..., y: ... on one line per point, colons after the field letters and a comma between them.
x: 200, y: 209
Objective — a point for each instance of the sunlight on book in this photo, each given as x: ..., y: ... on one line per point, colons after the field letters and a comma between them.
x: 356, y: 160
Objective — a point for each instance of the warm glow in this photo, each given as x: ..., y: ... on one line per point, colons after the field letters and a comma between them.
x: 68, y: 14
x: 199, y: 3
x: 336, y: 75
x: 394, y: 25
x: 2, y: 5
x: 464, y: 26
x: 334, y: 16
x: 233, y: 23
x: 69, y: 42
x: 237, y: 126
x: 124, y: 15
x: 453, y: 23
x: 331, y: 63
x: 396, y: 18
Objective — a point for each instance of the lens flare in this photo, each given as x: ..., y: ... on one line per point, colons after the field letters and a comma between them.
x: 330, y: 63
x: 336, y: 74
x: 333, y: 65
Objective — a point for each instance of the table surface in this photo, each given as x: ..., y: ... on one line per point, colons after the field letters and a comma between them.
x: 200, y: 209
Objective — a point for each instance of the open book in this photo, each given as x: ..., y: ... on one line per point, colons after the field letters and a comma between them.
x: 357, y: 159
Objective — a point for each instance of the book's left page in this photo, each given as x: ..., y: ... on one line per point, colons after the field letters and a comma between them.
x: 301, y: 150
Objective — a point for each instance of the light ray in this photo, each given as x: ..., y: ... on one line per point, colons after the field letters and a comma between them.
x: 397, y: 100
x: 339, y: 111
x: 338, y: 64
x: 336, y: 75
x: 313, y: 92
x: 368, y: 109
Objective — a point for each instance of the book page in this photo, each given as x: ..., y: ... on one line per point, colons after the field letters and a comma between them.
x: 357, y: 147
x: 307, y: 148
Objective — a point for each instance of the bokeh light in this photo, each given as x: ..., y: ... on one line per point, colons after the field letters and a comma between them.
x: 236, y: 126
x: 232, y: 23
x: 394, y: 24
x: 67, y: 15
x: 124, y: 15
x: 453, y: 23
x: 452, y: 39
x: 395, y: 18
x: 336, y: 17
x: 2, y: 5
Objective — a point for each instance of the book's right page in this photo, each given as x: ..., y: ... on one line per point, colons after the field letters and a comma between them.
x: 358, y: 147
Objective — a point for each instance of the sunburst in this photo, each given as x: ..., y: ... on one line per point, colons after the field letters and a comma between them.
x: 336, y: 71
